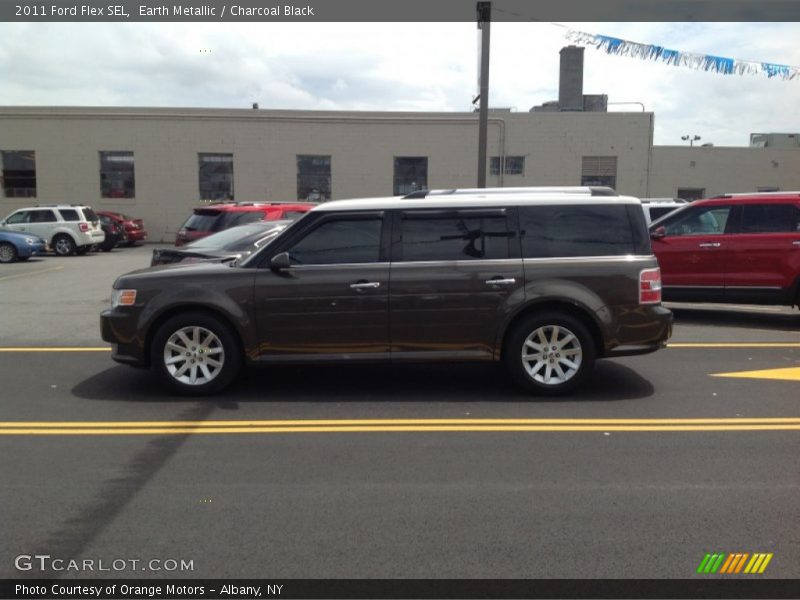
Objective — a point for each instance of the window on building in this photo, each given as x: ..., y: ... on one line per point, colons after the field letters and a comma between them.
x: 215, y: 176
x: 116, y: 175
x: 313, y: 177
x: 410, y: 174
x: 511, y: 165
x: 454, y: 238
x: 691, y: 194
x: 578, y: 230
x: 18, y: 168
x: 342, y: 241
x: 599, y: 170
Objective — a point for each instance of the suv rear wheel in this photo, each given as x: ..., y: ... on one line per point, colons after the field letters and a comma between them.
x: 196, y: 354
x: 63, y: 245
x: 549, y: 353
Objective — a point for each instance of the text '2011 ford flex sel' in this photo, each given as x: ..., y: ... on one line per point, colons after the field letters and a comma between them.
x: 544, y: 281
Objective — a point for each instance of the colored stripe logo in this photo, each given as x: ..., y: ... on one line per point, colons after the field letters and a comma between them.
x: 734, y: 563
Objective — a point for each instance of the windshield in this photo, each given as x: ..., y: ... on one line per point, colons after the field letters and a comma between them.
x: 236, y: 238
x: 202, y: 220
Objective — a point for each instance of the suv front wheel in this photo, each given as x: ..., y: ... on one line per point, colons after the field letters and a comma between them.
x: 196, y: 354
x: 63, y: 245
x: 549, y: 353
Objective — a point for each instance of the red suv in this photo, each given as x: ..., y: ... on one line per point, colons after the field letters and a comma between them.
x: 206, y: 220
x: 132, y: 229
x: 742, y: 248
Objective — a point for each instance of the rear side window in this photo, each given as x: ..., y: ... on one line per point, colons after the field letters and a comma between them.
x: 576, y: 230
x: 454, y: 238
x: 343, y: 241
x: 232, y: 219
x: 43, y: 216
x: 69, y: 214
x: 770, y: 218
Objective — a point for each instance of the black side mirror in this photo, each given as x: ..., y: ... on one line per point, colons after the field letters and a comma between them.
x: 280, y: 262
x: 658, y: 233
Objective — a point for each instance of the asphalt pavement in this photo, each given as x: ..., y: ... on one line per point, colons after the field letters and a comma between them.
x: 409, y: 471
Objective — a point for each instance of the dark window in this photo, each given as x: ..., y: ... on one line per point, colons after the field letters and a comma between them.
x: 656, y: 212
x: 691, y: 194
x: 513, y: 165
x: 410, y: 174
x: 18, y: 170
x: 42, y: 216
x: 454, y: 238
x: 89, y: 214
x: 575, y: 230
x: 69, y: 214
x: 340, y: 242
x: 116, y: 175
x: 708, y: 220
x: 215, y: 176
x: 599, y: 170
x: 313, y: 178
x: 770, y: 218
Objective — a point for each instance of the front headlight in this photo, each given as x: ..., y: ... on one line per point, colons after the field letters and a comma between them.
x: 30, y: 241
x: 123, y: 298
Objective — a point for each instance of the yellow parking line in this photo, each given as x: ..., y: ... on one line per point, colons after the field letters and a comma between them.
x: 31, y: 273
x: 57, y: 349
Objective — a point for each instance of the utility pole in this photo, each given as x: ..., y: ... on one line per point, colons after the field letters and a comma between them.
x: 484, y: 22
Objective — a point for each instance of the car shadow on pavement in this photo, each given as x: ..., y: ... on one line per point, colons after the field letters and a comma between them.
x: 720, y: 317
x: 609, y: 381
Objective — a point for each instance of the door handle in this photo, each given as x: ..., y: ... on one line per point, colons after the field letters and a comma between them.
x: 710, y: 245
x: 501, y: 281
x: 365, y: 285
x: 796, y: 243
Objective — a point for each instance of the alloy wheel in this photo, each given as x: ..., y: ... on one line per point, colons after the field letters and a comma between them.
x: 552, y: 355
x: 194, y: 355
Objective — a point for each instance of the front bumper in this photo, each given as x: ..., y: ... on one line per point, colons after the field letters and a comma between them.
x: 118, y: 327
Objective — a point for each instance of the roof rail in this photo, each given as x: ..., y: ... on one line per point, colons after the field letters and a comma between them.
x: 577, y: 190
x: 61, y: 204
x: 765, y: 194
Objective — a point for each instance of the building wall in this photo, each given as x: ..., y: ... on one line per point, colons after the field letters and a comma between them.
x: 719, y: 170
x: 362, y: 146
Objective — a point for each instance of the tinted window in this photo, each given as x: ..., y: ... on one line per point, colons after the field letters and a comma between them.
x: 709, y: 220
x: 42, y: 216
x: 454, y: 238
x: 660, y: 211
x: 89, y: 214
x: 20, y: 217
x: 233, y: 219
x: 69, y: 214
x: 770, y: 218
x: 340, y: 242
x: 203, y: 220
x: 575, y: 230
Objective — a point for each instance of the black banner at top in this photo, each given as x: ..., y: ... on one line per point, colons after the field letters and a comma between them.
x: 396, y: 10
x: 185, y: 589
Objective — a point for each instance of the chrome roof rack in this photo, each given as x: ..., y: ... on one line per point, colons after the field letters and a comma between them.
x: 577, y: 190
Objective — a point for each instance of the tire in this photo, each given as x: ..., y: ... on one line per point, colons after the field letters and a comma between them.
x: 536, y: 367
x: 8, y: 253
x: 63, y: 245
x: 202, y: 331
x: 81, y: 250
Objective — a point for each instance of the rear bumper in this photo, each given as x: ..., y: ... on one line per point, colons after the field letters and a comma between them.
x: 641, y: 329
x: 135, y: 235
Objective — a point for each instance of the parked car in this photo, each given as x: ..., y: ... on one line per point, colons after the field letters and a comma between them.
x: 16, y: 246
x: 114, y: 233
x: 234, y: 243
x: 133, y: 229
x: 655, y: 208
x: 206, y: 220
x: 68, y: 228
x: 545, y: 283
x: 742, y: 248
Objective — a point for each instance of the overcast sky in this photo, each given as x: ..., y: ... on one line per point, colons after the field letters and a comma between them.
x: 399, y: 66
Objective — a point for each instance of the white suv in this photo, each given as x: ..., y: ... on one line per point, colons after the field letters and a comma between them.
x: 68, y: 228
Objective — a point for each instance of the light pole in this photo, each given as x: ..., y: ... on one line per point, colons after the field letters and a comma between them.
x: 691, y: 139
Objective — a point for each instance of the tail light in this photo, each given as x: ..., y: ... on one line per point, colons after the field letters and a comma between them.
x: 650, y: 286
x: 83, y: 227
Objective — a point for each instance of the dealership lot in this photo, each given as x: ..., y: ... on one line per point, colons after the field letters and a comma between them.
x: 404, y: 471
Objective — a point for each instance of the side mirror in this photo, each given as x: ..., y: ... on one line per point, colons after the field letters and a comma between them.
x: 658, y: 233
x: 280, y: 262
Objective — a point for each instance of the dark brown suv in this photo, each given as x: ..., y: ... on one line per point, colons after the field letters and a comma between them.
x: 545, y: 282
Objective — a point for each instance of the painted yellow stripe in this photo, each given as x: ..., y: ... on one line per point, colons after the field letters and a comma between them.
x: 384, y: 428
x: 58, y: 349
x: 405, y: 422
x: 727, y: 564
x: 31, y: 273
x: 765, y: 563
x: 784, y: 374
x: 734, y: 345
